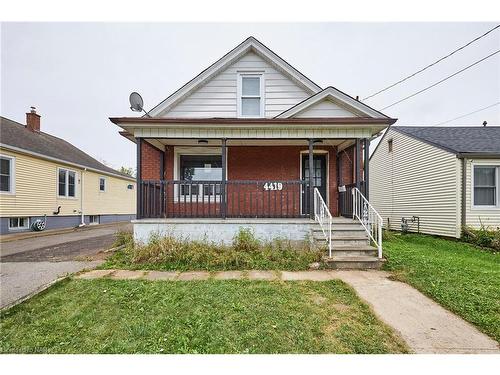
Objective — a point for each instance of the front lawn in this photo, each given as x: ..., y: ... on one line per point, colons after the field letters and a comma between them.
x: 463, y: 278
x: 109, y: 316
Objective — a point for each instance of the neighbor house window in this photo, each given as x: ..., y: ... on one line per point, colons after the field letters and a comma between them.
x: 485, y: 185
x: 93, y: 219
x: 6, y: 174
x: 389, y: 144
x: 102, y: 184
x: 251, y: 101
x: 205, y: 170
x: 16, y: 223
x: 66, y: 183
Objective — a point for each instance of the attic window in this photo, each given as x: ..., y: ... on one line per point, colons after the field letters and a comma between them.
x: 389, y: 144
x: 250, y: 95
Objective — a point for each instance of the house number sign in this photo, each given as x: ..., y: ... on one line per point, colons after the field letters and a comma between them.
x: 273, y: 186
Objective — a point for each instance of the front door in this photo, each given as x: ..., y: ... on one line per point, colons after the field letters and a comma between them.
x: 319, y: 177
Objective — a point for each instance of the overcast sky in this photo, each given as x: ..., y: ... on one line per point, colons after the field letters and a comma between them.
x: 79, y: 74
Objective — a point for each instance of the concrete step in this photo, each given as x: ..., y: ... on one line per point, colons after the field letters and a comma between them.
x: 354, y: 251
x: 353, y: 262
x: 351, y: 230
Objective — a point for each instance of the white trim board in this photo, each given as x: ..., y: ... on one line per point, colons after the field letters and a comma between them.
x: 337, y: 97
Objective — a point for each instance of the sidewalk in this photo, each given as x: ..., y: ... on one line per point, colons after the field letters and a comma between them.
x: 423, y: 324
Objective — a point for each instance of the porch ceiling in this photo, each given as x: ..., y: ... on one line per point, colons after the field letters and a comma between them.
x: 245, y: 142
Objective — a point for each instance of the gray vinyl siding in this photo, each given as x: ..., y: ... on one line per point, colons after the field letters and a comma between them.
x: 218, y: 97
x: 489, y: 217
x: 416, y: 179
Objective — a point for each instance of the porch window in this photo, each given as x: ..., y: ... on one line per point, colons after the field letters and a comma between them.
x: 485, y: 185
x: 6, y: 174
x: 200, y: 168
x: 66, y: 183
x: 250, y: 95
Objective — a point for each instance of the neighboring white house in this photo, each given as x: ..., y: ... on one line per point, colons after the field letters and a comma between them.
x: 448, y: 177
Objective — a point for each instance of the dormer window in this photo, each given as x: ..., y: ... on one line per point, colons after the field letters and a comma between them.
x: 250, y: 95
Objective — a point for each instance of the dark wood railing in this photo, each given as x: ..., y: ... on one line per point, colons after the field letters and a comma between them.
x: 229, y: 199
x: 345, y: 199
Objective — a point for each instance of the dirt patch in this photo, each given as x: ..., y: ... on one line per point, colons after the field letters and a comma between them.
x: 87, y: 249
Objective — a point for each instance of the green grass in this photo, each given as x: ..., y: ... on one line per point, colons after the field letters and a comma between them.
x: 244, y: 253
x: 106, y: 316
x: 461, y: 277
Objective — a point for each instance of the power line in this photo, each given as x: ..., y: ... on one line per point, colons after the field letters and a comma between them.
x: 467, y: 114
x: 441, y: 81
x: 434, y: 63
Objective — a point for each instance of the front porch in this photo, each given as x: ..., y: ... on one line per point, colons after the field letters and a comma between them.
x: 234, y: 178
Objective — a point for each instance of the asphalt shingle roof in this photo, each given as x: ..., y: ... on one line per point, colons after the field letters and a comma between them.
x: 457, y: 139
x: 16, y: 135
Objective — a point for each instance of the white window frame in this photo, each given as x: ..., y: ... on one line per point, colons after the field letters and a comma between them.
x: 497, y: 186
x: 94, y: 222
x: 66, y: 189
x: 18, y: 227
x: 105, y: 184
x: 196, y: 151
x: 12, y: 174
x: 261, y: 96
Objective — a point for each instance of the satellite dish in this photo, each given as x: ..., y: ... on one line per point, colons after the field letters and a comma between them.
x: 136, y: 102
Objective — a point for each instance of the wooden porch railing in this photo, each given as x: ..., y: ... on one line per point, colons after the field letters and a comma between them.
x: 229, y: 199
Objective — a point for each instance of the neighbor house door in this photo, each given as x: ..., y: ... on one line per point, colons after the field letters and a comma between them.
x: 319, y: 177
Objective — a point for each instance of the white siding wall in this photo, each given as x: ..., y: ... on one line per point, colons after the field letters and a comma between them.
x: 217, y: 98
x: 325, y: 108
x: 416, y: 179
x: 475, y: 216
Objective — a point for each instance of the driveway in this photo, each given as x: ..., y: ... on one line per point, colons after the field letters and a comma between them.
x: 28, y: 265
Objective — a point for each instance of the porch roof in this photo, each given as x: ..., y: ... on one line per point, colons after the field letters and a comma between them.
x: 251, y: 128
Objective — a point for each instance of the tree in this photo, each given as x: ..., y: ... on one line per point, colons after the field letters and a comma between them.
x: 128, y: 171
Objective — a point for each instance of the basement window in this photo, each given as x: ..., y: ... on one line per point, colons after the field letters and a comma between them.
x: 93, y: 219
x: 18, y: 223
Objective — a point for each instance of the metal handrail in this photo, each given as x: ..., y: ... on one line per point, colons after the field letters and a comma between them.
x: 368, y: 217
x: 323, y: 216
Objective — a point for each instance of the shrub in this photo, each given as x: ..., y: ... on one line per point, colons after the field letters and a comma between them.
x: 484, y: 236
x: 245, y: 252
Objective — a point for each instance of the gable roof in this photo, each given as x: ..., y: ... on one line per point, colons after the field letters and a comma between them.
x: 337, y: 96
x: 15, y: 135
x: 249, y: 44
x: 478, y: 140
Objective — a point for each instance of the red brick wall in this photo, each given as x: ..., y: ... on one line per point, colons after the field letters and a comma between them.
x: 150, y: 162
x: 272, y: 163
x: 347, y: 160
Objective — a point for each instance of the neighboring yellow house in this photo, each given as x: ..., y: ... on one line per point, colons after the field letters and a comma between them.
x: 43, y: 177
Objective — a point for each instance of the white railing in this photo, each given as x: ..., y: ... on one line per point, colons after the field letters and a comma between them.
x: 368, y: 217
x: 323, y: 216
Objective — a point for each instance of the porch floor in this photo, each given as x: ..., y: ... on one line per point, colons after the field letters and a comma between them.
x: 339, y: 219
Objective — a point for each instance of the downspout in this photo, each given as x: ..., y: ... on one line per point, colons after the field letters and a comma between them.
x: 82, y: 215
x: 464, y: 193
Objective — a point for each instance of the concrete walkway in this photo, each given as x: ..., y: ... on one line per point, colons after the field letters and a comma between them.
x: 422, y: 323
